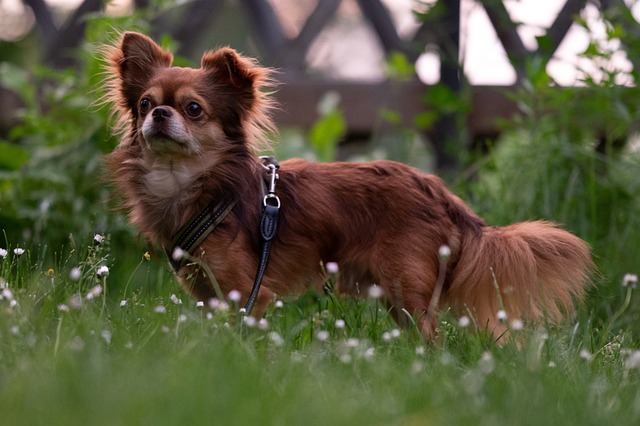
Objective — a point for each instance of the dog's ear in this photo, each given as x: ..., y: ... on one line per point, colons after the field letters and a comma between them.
x: 228, y: 67
x: 140, y: 58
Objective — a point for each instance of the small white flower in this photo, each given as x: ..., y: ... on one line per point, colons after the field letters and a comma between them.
x: 368, y: 354
x: 199, y: 304
x: 279, y: 304
x: 486, y: 363
x: 630, y: 279
x: 352, y: 342
x: 98, y: 239
x: 340, y: 323
x: 332, y: 267
x: 160, y: 309
x: 75, y: 274
x: 165, y: 329
x: 276, y: 338
x: 345, y: 358
x: 94, y: 292
x: 175, y: 299
x: 517, y: 324
x: 177, y: 254
x: 209, y: 316
x: 3, y: 253
x: 586, y: 355
x: 123, y: 303
x: 552, y: 364
x: 249, y: 321
x: 63, y: 308
x: 234, y: 296
x: 501, y: 315
x: 322, y: 335
x: 375, y: 292
x: 395, y: 333
x: 632, y: 359
x: 18, y: 251
x: 263, y: 324
x: 103, y: 271
x: 13, y: 303
x: 444, y: 252
x: 182, y: 318
x: 15, y: 330
x: 420, y: 351
x: 6, y: 294
x: 386, y: 336
x: 106, y: 335
x: 464, y: 321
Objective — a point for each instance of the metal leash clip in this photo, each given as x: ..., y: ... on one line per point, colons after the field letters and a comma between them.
x: 271, y: 165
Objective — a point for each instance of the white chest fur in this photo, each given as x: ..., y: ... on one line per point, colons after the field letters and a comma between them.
x: 168, y: 179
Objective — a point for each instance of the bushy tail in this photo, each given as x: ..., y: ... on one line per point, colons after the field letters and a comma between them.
x: 532, y: 270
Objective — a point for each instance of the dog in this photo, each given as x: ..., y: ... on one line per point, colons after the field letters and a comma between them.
x: 190, y: 136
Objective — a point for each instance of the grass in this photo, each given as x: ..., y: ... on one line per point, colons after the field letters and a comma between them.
x: 77, y: 347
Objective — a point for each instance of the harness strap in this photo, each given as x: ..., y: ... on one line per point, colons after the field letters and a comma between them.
x: 194, y: 232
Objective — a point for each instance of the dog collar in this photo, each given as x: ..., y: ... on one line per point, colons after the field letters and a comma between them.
x: 194, y: 232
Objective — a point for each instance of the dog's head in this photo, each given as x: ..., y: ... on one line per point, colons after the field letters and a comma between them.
x: 174, y: 111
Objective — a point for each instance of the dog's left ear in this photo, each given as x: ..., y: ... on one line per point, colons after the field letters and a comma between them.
x: 228, y: 67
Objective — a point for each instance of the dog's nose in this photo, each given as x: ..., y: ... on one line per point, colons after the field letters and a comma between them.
x: 160, y: 113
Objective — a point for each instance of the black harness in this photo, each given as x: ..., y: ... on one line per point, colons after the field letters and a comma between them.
x: 194, y: 232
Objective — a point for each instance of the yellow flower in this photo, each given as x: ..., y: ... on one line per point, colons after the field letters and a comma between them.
x: 147, y: 255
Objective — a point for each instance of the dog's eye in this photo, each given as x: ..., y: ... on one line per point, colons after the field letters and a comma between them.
x: 145, y: 105
x: 194, y: 109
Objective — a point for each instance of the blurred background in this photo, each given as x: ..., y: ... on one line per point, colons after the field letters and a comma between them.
x: 529, y: 108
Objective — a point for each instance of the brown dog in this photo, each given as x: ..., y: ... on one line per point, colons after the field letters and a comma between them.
x: 190, y: 135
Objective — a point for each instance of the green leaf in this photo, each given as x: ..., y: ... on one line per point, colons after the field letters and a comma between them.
x: 12, y: 157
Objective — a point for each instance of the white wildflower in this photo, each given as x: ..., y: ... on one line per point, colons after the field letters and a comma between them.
x: 517, y: 324
x: 395, y: 333
x: 94, y: 292
x: 263, y: 324
x: 486, y: 363
x: 340, y: 324
x: 279, y: 304
x: 199, y: 304
x: 345, y: 358
x: 375, y: 292
x: 13, y: 303
x: 276, y: 338
x: 420, y: 351
x: 464, y: 321
x: 106, y: 335
x: 63, y: 308
x: 249, y: 321
x: 234, y: 296
x: 177, y: 254
x: 368, y: 354
x: 103, y: 271
x: 182, y: 318
x: 386, y: 336
x: 632, y: 359
x: 75, y: 274
x: 3, y: 253
x: 586, y: 355
x: 175, y: 299
x: 352, y: 342
x: 501, y: 315
x: 18, y: 251
x: 98, y: 239
x: 322, y: 335
x: 630, y: 280
x: 332, y: 267
x: 165, y: 329
x: 123, y: 303
x: 160, y: 309
x: 6, y: 294
x: 444, y: 252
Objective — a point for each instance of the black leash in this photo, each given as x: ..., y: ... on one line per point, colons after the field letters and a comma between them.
x: 268, y: 227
